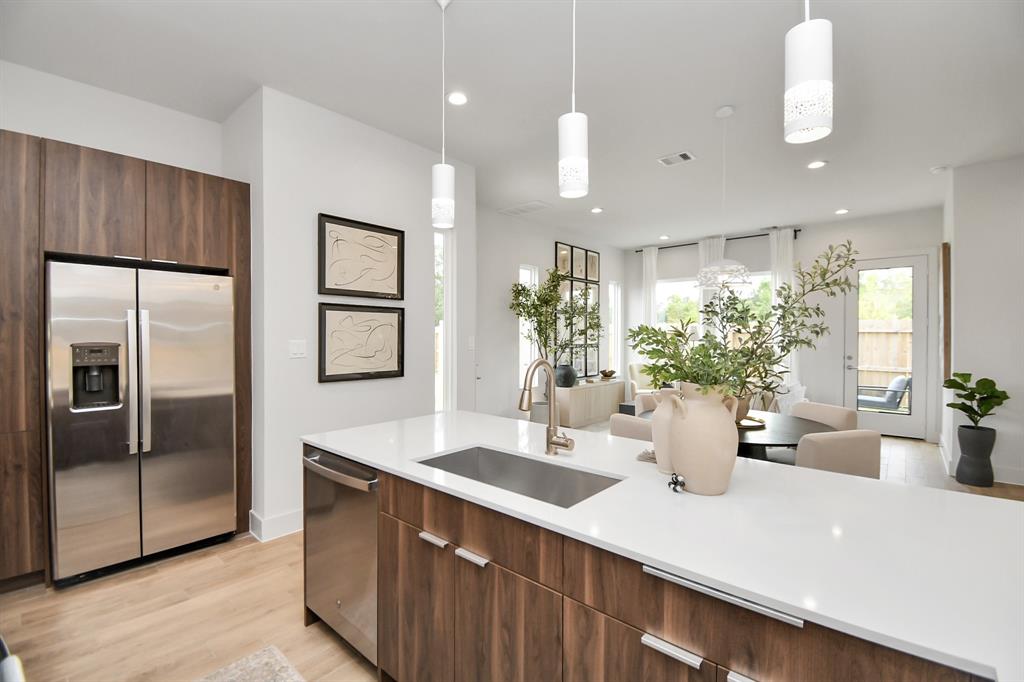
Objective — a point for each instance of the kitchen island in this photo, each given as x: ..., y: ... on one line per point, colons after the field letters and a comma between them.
x: 791, y: 573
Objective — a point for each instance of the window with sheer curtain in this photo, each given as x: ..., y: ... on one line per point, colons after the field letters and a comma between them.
x: 530, y: 276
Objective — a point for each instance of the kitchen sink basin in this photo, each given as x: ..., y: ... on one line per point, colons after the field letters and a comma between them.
x: 550, y: 483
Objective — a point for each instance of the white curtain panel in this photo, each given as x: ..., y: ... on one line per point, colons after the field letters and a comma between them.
x: 650, y: 301
x: 780, y: 242
x: 709, y: 250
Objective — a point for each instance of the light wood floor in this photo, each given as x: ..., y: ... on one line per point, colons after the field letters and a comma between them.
x: 178, y: 619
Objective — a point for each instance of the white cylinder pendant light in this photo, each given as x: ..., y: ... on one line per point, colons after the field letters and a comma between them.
x: 442, y: 175
x: 573, y: 164
x: 573, y: 154
x: 442, y: 205
x: 807, y: 104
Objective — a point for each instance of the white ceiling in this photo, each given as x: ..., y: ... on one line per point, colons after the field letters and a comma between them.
x: 918, y: 84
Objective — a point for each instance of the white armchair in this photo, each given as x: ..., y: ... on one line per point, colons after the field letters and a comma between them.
x: 639, y: 383
x: 629, y: 426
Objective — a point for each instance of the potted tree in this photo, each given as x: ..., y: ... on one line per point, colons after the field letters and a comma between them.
x: 556, y: 321
x: 977, y: 401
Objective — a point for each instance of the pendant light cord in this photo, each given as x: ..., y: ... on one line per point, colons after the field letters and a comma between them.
x: 443, y: 109
x: 807, y: 10
x: 725, y: 122
x: 573, y: 97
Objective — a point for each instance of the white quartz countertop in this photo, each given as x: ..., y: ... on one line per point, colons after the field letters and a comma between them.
x: 935, y: 573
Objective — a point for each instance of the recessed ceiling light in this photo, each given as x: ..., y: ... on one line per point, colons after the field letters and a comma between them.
x: 842, y: 211
x: 457, y: 98
x: 938, y: 170
x: 815, y: 165
x: 596, y: 209
x: 663, y: 237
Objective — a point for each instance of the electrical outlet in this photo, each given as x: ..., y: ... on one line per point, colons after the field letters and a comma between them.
x: 297, y: 348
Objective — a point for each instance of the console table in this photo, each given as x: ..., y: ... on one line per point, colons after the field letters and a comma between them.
x: 585, y: 403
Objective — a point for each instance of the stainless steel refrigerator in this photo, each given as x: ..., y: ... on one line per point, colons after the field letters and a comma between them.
x: 140, y: 401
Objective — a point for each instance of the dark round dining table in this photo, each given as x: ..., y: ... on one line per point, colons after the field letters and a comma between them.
x: 780, y: 431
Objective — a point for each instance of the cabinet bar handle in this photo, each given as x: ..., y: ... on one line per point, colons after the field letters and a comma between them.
x: 161, y: 260
x: 726, y: 597
x: 472, y: 558
x: 433, y: 539
x: 736, y: 677
x: 139, y: 258
x: 672, y: 651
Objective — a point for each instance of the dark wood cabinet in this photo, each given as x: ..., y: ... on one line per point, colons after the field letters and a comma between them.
x: 22, y: 524
x: 238, y: 193
x: 20, y: 342
x: 601, y: 649
x: 94, y: 202
x: 22, y: 532
x: 507, y: 628
x: 188, y: 217
x: 416, y: 604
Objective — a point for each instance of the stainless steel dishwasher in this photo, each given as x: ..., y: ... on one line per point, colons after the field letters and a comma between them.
x: 340, y: 525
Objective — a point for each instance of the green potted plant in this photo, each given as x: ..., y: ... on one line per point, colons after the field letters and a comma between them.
x: 977, y: 401
x: 556, y: 322
x: 744, y: 348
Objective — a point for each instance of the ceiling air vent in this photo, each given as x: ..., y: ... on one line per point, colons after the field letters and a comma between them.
x: 523, y: 209
x: 673, y: 159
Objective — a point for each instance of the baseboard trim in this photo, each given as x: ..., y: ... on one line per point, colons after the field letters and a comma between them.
x: 1009, y: 475
x: 946, y: 456
x: 264, y: 529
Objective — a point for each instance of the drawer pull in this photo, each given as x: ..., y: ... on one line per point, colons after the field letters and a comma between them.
x: 127, y: 257
x: 161, y: 260
x: 672, y: 651
x: 471, y: 558
x: 736, y: 677
x: 726, y: 597
x: 433, y: 539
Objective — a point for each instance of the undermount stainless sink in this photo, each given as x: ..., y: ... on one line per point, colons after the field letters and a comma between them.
x: 542, y: 481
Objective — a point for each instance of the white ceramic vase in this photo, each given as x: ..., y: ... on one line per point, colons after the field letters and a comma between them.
x: 661, y: 429
x: 702, y: 436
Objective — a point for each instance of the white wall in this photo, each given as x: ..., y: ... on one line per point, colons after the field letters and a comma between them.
x: 313, y: 161
x: 987, y: 223
x: 505, y: 243
x: 917, y: 231
x: 39, y: 103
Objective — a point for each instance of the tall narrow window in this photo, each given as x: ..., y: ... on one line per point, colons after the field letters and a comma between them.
x: 528, y: 275
x: 615, y: 331
x: 444, y: 292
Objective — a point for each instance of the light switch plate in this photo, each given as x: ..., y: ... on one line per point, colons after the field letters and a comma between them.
x: 297, y: 348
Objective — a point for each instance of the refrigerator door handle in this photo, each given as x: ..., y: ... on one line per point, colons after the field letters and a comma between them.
x: 132, y: 383
x: 147, y: 412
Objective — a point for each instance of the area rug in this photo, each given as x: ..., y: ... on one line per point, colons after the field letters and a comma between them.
x: 266, y: 665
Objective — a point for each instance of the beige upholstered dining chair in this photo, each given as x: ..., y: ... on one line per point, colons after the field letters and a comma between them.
x: 629, y: 426
x: 839, y: 418
x: 639, y: 383
x: 857, y: 452
x: 645, y: 402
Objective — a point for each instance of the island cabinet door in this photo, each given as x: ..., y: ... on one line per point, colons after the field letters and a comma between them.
x: 415, y: 623
x: 601, y: 649
x: 507, y: 627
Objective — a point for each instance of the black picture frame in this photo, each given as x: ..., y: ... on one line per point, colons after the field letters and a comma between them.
x: 586, y: 352
x: 323, y: 220
x: 398, y: 313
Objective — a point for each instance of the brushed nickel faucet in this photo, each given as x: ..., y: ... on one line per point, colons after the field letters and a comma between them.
x: 555, y: 440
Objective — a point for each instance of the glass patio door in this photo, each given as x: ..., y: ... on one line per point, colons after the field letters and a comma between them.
x: 885, y: 360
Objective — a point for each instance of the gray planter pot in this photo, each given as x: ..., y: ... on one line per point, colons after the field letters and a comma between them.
x: 565, y: 376
x: 975, y: 464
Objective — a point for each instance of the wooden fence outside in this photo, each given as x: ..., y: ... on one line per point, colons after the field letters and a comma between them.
x: 884, y: 351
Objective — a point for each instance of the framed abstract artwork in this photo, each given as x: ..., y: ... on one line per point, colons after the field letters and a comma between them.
x: 360, y: 342
x: 359, y: 259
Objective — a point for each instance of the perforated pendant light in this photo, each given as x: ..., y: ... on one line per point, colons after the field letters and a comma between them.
x: 442, y: 202
x: 573, y: 156
x: 807, y: 104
